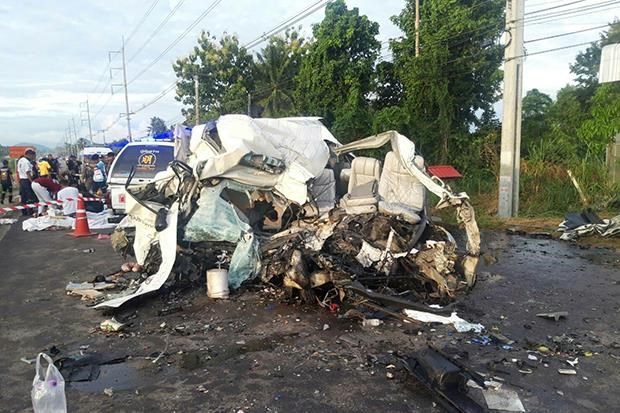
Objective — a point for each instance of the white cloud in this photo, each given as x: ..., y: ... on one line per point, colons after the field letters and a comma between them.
x: 55, y: 53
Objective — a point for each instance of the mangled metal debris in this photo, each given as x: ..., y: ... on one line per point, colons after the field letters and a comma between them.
x: 283, y: 199
x: 586, y: 223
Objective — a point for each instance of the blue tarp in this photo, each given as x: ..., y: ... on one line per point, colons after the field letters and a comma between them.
x: 118, y: 145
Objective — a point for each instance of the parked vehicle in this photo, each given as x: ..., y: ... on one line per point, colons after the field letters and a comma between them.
x: 146, y: 159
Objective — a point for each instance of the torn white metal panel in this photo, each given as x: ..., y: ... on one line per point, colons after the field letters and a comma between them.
x: 299, y: 142
x: 144, y: 221
x: 167, y: 240
x: 293, y: 140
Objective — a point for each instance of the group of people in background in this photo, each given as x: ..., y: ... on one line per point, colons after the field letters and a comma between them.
x: 57, y: 179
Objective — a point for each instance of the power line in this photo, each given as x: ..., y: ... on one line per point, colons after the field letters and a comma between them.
x: 163, y: 93
x: 566, y: 34
x: 178, y: 39
x: 553, y: 50
x: 554, y: 7
x: 142, y: 20
x: 287, y: 23
x: 575, y: 10
x: 157, y: 29
x: 570, y: 17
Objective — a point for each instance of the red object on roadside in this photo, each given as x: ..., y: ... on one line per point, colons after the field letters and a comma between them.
x: 81, y: 221
x: 16, y: 152
x: 444, y: 172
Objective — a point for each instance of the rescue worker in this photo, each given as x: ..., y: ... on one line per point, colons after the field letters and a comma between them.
x: 45, y: 189
x: 99, y: 174
x: 6, y: 180
x: 109, y: 158
x: 44, y: 167
x: 25, y: 174
x: 68, y: 195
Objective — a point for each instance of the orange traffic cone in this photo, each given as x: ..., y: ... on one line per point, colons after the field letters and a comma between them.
x: 81, y: 222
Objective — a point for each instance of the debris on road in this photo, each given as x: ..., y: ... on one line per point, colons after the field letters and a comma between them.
x: 570, y: 372
x: 48, y: 388
x: 577, y: 225
x: 446, y: 380
x: 459, y: 324
x: 556, y: 315
x: 111, y: 325
x: 503, y: 399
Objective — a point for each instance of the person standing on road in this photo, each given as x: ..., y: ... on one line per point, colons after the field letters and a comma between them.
x: 99, y: 174
x: 109, y: 158
x: 44, y: 188
x: 44, y: 167
x: 74, y: 169
x: 53, y: 162
x: 25, y: 175
x: 6, y: 180
x: 68, y: 196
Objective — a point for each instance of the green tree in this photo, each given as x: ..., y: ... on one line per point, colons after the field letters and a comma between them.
x: 156, y: 126
x: 336, y: 76
x: 604, y: 123
x: 587, y: 63
x: 224, y: 70
x: 388, y: 87
x: 276, y: 68
x: 534, y: 125
x: 565, y: 117
x: 457, y: 73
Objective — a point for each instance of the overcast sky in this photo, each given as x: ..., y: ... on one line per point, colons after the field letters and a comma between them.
x: 54, y: 54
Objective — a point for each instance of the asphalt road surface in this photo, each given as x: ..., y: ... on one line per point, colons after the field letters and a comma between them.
x: 258, y: 353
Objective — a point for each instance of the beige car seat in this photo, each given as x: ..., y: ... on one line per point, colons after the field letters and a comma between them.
x: 362, y: 196
x: 400, y: 192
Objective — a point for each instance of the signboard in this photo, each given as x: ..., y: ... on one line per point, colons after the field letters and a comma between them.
x: 18, y: 151
x: 610, y: 64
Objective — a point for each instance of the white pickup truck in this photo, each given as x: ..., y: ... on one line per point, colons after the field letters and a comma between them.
x: 146, y: 159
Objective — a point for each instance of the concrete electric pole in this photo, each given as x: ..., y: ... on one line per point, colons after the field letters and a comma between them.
x: 508, y: 205
x: 126, y: 94
x: 90, y: 130
x: 124, y: 85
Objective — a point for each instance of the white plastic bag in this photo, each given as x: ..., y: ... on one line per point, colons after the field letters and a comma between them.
x: 48, y: 390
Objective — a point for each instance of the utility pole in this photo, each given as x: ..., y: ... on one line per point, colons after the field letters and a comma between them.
x: 417, y: 28
x: 90, y: 130
x: 124, y: 84
x: 103, y: 133
x: 126, y: 94
x: 77, y: 141
x: 196, y: 100
x: 510, y: 157
x: 249, y: 104
x: 72, y: 141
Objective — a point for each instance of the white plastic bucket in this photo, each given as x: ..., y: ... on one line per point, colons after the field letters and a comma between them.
x: 217, y: 283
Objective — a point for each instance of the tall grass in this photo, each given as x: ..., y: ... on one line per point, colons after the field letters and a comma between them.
x: 545, y: 187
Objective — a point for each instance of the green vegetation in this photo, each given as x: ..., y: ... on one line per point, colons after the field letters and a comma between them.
x: 442, y: 99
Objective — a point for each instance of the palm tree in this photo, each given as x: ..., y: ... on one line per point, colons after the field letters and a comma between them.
x: 278, y: 64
